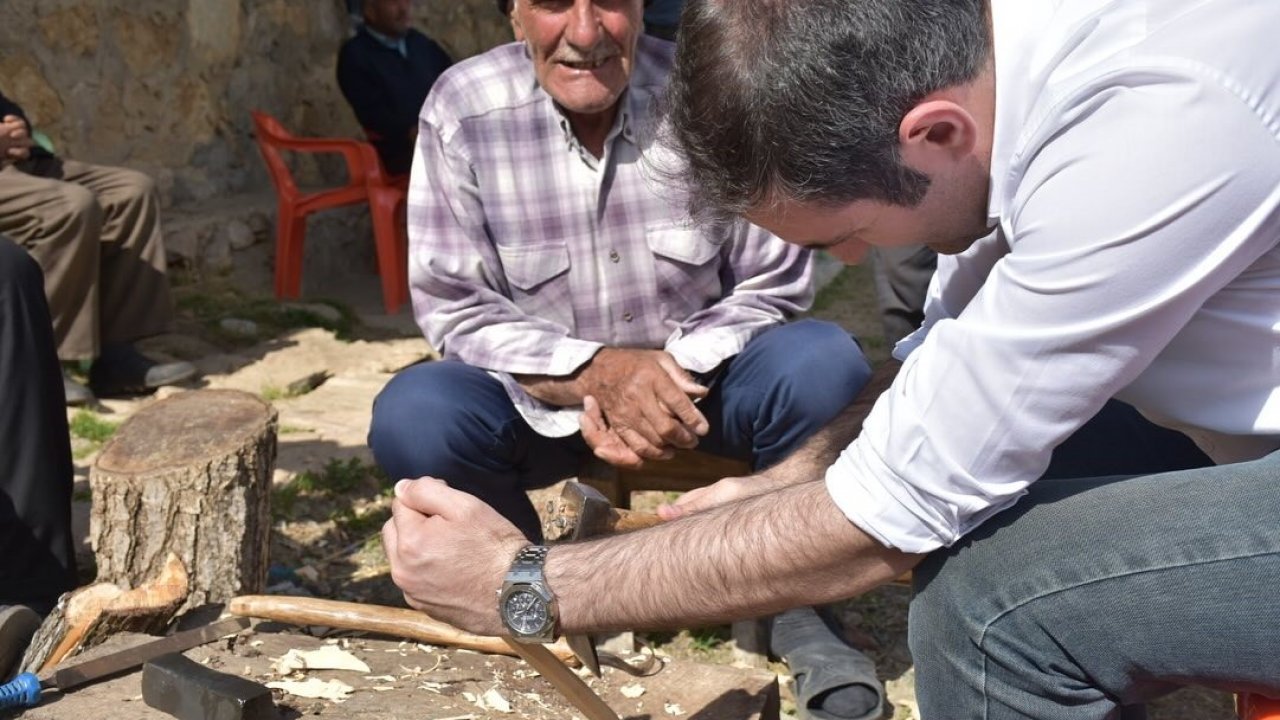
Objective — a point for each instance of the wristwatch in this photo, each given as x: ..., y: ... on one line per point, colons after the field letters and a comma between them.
x: 527, y: 606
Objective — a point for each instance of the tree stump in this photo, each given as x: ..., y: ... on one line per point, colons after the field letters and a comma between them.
x: 190, y: 475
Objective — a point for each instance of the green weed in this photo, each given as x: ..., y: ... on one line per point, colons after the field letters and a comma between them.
x: 87, y: 425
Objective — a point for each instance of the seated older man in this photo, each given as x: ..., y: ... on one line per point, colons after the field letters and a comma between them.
x: 95, y: 231
x: 566, y: 287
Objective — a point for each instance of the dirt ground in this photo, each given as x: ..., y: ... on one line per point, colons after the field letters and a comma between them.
x: 329, y: 502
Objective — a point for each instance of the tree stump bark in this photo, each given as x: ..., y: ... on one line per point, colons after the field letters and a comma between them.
x: 190, y: 475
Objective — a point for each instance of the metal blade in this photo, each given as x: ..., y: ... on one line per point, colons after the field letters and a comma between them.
x: 585, y: 648
x: 136, y: 656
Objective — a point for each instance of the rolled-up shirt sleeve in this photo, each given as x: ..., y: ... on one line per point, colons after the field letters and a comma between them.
x: 769, y: 282
x: 460, y: 295
x: 1112, y: 250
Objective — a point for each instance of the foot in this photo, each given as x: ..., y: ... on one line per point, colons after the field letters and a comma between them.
x: 122, y: 370
x: 18, y: 623
x: 76, y: 393
x: 833, y: 681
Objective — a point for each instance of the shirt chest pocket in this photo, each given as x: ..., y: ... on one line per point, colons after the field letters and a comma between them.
x: 538, y: 276
x: 686, y: 266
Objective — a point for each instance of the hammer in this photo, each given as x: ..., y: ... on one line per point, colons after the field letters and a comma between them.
x: 579, y: 513
x: 582, y: 512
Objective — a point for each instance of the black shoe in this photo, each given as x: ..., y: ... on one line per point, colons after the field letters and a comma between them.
x: 76, y: 393
x: 833, y: 681
x: 122, y: 370
x: 18, y: 623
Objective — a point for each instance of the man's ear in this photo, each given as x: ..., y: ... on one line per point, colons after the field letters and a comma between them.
x: 936, y: 131
x: 516, y: 30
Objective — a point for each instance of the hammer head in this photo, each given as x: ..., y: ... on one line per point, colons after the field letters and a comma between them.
x: 188, y: 690
x: 580, y: 512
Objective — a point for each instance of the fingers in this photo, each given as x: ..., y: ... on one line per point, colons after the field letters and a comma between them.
x: 716, y: 494
x: 427, y: 495
x: 604, y: 442
x: 691, y: 502
x: 643, y: 445
x: 681, y: 377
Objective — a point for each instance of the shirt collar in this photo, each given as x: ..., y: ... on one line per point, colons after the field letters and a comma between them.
x: 623, y: 122
x: 397, y: 44
x: 1016, y: 30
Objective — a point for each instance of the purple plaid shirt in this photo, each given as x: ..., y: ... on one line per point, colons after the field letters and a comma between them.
x: 527, y: 254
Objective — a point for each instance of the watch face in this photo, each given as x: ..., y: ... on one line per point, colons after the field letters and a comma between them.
x: 525, y: 612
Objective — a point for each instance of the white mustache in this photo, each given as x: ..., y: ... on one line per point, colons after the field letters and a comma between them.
x: 601, y: 52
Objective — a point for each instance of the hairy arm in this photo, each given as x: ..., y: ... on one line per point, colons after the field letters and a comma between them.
x: 806, y: 464
x: 811, y: 460
x: 750, y: 558
x: 449, y: 552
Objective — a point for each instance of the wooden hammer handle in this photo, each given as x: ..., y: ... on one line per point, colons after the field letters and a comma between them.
x: 627, y: 520
x: 394, y: 622
x: 569, y: 684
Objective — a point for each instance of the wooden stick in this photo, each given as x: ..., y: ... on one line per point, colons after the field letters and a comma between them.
x: 396, y: 622
x: 568, y: 683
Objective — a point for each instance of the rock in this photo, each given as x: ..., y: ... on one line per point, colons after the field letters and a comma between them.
x: 239, y: 234
x: 236, y: 326
x: 325, y: 312
x: 184, y: 243
x: 260, y: 224
x: 217, y: 253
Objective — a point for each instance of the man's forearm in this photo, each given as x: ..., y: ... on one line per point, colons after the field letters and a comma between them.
x: 746, y: 559
x: 819, y: 452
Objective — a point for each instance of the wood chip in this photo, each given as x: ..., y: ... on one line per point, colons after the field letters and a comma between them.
x: 315, y: 688
x: 327, y: 657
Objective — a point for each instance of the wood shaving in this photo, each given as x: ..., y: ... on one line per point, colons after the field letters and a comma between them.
x: 495, y: 701
x: 327, y: 657
x: 315, y: 688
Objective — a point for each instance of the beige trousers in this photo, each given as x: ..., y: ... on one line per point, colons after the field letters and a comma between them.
x: 95, y: 231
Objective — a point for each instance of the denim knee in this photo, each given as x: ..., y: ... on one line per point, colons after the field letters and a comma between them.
x: 825, y: 369
x: 432, y: 417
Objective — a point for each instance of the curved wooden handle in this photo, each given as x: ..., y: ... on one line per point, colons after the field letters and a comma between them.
x: 628, y: 520
x: 395, y: 622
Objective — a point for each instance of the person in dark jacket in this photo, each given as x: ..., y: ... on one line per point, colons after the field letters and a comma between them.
x: 36, y: 473
x: 385, y: 73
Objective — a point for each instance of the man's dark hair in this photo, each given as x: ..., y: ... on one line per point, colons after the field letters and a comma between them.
x: 801, y: 99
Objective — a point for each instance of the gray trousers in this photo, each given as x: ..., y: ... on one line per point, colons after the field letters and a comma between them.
x: 902, y: 276
x: 95, y: 231
x: 1094, y: 595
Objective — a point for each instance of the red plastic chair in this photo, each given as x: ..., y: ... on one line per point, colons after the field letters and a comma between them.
x: 1256, y: 707
x: 366, y: 182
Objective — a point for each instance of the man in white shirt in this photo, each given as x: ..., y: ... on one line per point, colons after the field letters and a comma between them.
x: 1105, y: 179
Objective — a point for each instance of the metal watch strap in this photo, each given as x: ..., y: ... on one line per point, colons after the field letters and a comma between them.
x: 530, y: 559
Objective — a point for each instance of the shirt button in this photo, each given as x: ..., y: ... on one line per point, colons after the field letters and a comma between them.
x: 614, y: 256
x: 627, y: 316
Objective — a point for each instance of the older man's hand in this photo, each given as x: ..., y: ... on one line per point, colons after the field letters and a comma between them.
x: 644, y: 400
x: 449, y: 553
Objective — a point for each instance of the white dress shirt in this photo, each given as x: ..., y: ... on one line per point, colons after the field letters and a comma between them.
x: 1135, y: 196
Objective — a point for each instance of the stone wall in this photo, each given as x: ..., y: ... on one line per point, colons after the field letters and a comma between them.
x: 166, y: 86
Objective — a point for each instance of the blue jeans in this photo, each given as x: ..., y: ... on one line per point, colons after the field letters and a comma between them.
x: 455, y: 422
x: 1094, y: 595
